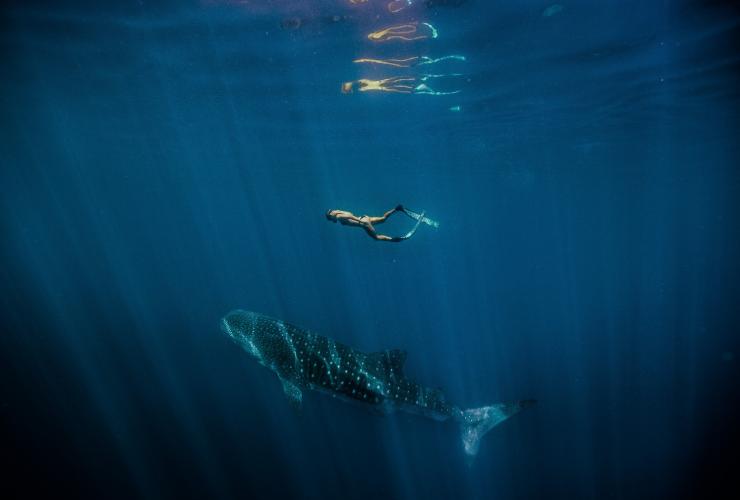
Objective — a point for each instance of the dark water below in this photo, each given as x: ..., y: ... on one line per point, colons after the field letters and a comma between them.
x: 162, y: 163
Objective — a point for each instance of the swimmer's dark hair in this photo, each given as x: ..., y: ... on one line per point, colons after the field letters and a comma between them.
x: 329, y: 216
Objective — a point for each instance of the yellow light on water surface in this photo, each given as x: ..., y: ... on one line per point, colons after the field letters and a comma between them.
x: 405, y: 32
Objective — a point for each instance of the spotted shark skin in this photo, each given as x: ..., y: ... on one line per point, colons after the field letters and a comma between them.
x: 304, y: 360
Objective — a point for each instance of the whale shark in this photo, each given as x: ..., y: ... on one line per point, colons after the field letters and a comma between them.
x: 304, y: 360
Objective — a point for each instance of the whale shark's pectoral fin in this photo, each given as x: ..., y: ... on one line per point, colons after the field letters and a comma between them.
x: 391, y: 360
x: 293, y: 393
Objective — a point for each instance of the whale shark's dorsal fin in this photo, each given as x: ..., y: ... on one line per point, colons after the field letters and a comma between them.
x: 293, y: 393
x: 391, y: 360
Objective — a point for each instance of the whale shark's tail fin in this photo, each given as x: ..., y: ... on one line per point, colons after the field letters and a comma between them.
x: 476, y: 422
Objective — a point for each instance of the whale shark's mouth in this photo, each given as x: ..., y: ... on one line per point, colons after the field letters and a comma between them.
x: 225, y: 328
x: 242, y: 338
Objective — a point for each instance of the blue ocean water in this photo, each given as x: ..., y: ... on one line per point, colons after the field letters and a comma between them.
x: 162, y: 163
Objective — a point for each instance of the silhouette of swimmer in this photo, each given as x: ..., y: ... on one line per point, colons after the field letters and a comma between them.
x: 408, y: 32
x: 408, y: 62
x: 368, y: 222
x: 399, y: 85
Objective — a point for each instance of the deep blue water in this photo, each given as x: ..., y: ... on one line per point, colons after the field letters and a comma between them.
x: 162, y: 163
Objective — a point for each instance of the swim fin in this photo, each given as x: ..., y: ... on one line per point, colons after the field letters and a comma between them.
x: 420, y: 217
x: 413, y: 230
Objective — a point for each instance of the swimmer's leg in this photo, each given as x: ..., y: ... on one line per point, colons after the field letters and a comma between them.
x: 378, y: 237
x: 384, y: 217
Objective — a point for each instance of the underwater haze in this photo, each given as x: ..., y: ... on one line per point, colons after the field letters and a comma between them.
x: 165, y: 162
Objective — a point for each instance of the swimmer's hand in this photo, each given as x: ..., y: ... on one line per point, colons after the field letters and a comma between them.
x: 399, y: 208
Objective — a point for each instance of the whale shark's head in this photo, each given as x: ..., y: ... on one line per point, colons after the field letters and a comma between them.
x: 259, y: 335
x: 241, y: 327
